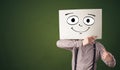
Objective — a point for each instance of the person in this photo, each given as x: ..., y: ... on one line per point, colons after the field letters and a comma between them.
x: 85, y: 53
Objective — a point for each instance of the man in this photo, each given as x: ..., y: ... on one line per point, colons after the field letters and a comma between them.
x: 86, y: 57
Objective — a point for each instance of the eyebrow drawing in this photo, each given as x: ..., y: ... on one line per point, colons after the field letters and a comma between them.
x: 68, y: 13
x: 92, y: 15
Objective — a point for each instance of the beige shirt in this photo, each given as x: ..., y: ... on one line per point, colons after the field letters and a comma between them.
x: 85, y: 53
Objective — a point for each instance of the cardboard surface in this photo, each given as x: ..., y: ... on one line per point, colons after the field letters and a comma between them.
x: 80, y: 23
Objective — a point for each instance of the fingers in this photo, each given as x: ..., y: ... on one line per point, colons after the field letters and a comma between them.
x: 89, y: 40
x: 105, y: 54
x: 103, y: 49
x: 92, y: 39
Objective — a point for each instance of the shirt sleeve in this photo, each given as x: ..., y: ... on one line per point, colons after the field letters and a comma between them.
x: 68, y: 44
x: 110, y: 63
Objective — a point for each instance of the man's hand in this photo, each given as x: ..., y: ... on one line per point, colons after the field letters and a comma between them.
x: 106, y: 56
x: 89, y: 40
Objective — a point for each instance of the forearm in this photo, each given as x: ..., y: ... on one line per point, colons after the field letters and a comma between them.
x: 106, y: 56
x: 68, y: 44
x: 110, y: 60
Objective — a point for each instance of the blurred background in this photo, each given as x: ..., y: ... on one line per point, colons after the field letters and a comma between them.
x: 29, y: 31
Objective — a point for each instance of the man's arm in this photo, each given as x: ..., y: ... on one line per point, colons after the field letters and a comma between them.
x: 68, y: 43
x: 107, y: 57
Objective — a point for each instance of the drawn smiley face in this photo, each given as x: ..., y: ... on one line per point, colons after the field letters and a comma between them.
x: 88, y: 21
x: 80, y: 23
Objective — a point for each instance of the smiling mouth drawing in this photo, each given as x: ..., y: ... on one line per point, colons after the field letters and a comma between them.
x: 80, y: 31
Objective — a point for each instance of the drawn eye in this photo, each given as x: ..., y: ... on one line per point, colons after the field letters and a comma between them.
x: 72, y: 20
x: 88, y: 20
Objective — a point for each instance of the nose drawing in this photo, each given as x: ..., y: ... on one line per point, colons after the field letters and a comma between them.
x: 80, y: 25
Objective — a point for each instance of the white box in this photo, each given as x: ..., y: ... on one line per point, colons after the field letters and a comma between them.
x: 80, y: 23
